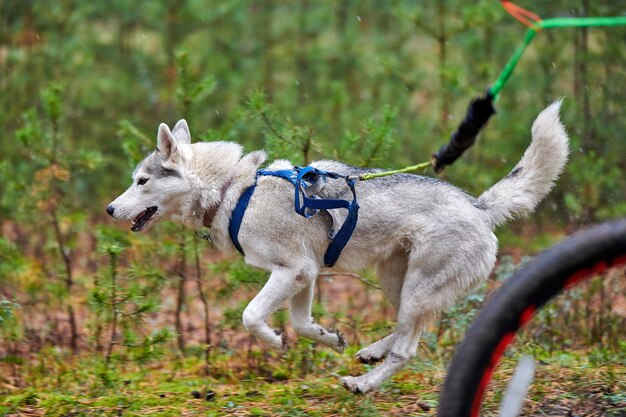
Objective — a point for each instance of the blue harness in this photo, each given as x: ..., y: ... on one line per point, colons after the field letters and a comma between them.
x: 304, y: 179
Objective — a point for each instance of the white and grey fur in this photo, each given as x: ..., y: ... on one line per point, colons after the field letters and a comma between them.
x: 429, y: 241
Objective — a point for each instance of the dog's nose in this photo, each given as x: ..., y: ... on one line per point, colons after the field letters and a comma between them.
x: 110, y: 210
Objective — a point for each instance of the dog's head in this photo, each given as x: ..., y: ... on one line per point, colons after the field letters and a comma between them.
x: 159, y: 182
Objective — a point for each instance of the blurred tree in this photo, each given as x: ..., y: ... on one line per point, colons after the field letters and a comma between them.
x: 44, y: 186
x: 122, y: 302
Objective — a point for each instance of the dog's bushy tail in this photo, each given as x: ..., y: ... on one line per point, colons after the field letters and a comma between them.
x: 529, y: 182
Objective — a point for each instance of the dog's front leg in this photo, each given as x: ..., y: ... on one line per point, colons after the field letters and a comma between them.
x: 281, y: 286
x: 303, y: 323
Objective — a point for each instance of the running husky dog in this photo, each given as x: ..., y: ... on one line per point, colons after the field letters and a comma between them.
x: 429, y: 241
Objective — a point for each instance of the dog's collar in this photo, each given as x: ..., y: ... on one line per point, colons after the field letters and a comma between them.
x: 209, y: 215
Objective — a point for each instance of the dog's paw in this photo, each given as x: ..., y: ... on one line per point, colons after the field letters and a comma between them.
x: 372, y: 354
x: 356, y: 384
x: 349, y: 383
x: 281, y: 342
x: 340, y: 343
x: 368, y: 359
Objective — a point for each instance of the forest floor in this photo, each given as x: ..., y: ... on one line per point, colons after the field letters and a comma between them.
x: 240, y: 377
x: 258, y: 383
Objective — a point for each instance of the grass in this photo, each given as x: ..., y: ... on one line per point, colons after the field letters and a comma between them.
x: 566, y: 382
x: 577, y: 341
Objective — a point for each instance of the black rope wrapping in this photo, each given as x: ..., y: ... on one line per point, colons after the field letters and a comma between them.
x: 478, y: 113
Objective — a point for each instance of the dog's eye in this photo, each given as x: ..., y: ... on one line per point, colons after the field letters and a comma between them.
x: 142, y: 181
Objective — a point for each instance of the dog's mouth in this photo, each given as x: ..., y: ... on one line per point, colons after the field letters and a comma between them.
x: 142, y: 220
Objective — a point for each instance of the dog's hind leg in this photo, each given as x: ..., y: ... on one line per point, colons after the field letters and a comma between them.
x: 282, y: 285
x: 391, y: 274
x: 402, y: 351
x: 421, y: 298
x: 403, y: 347
x: 304, y: 325
x: 438, y: 272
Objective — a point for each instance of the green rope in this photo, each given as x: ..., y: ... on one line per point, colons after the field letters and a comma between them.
x: 571, y: 22
x: 556, y: 22
x: 508, y: 69
x: 506, y: 73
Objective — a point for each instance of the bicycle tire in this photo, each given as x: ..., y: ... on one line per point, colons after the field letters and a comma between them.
x: 560, y: 267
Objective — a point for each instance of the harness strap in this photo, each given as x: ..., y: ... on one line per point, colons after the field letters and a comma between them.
x: 237, y: 217
x: 310, y: 206
x: 341, y: 238
x: 306, y: 181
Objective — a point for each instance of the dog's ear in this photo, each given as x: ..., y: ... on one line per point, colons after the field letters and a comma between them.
x: 166, y: 143
x: 181, y: 132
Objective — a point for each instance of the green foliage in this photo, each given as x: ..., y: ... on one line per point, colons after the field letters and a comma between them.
x: 111, y: 241
x: 588, y: 204
x: 189, y: 91
x: 237, y: 275
x: 135, y: 143
x: 51, y: 99
x: 121, y: 306
x: 372, y: 146
x: 9, y: 326
x: 239, y: 272
x: 283, y: 139
x: 11, y: 261
x: 232, y: 315
x: 49, y: 170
